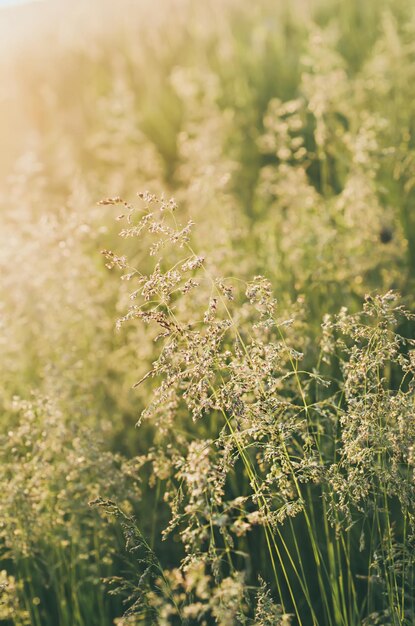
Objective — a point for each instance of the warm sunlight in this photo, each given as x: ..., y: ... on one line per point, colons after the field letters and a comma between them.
x: 7, y: 3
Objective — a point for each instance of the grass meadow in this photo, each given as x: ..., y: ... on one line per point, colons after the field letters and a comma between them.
x: 207, y: 313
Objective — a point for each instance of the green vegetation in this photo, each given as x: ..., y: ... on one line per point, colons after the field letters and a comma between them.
x: 207, y: 314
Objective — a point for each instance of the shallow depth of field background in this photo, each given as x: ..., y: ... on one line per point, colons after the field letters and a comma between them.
x: 285, y: 132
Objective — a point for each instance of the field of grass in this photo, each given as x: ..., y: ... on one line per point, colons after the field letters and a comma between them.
x: 207, y: 313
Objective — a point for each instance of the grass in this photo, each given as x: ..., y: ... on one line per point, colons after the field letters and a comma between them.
x: 265, y: 314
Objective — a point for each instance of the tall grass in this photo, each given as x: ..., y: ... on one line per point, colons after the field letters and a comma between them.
x: 319, y: 459
x: 268, y: 346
